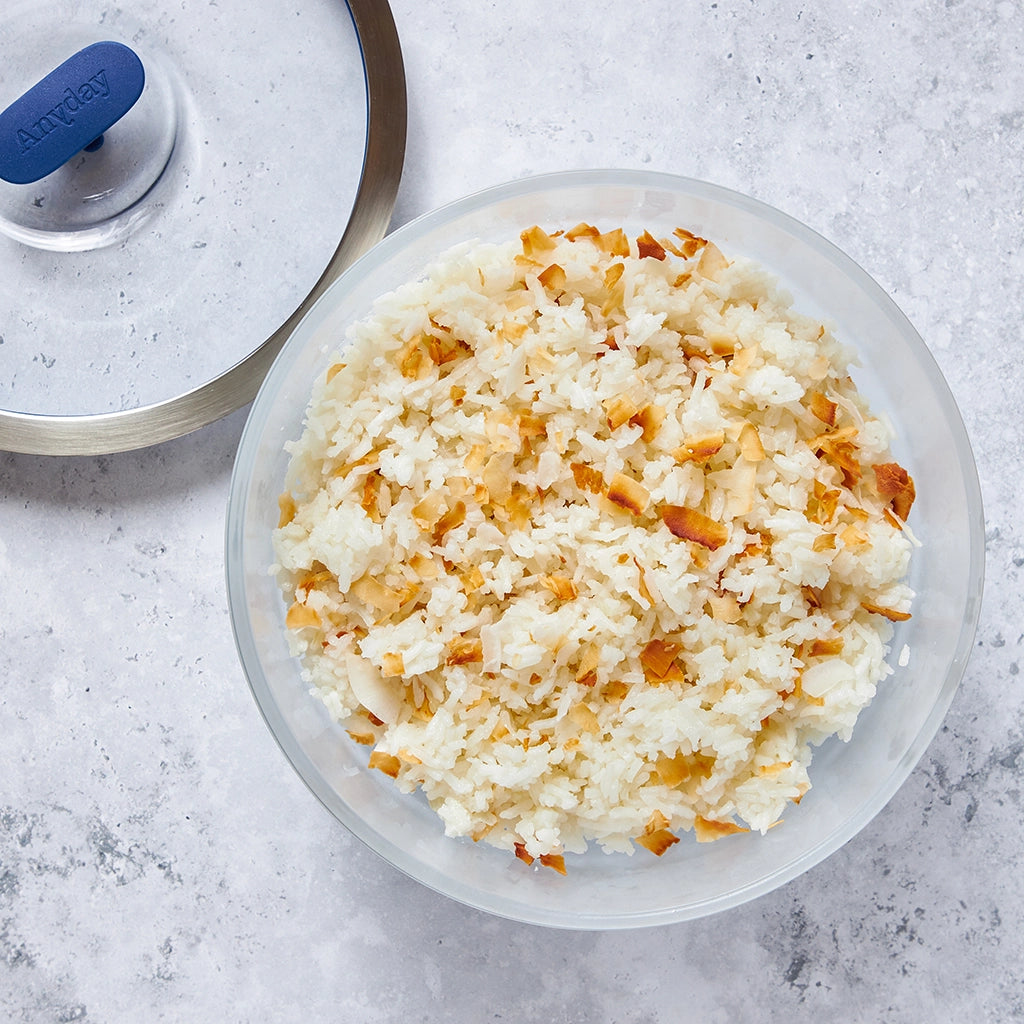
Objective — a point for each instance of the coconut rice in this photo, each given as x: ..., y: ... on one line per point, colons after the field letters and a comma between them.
x: 592, y: 538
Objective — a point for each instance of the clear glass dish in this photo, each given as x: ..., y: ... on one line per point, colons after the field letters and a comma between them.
x: 851, y: 781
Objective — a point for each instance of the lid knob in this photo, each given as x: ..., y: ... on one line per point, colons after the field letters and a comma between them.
x: 68, y: 111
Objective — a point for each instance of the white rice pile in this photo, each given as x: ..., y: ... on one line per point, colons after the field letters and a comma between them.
x: 591, y: 538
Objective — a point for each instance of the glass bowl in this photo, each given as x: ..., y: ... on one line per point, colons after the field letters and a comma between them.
x: 851, y: 781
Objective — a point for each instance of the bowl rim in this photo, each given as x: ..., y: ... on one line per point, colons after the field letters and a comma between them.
x: 393, y: 244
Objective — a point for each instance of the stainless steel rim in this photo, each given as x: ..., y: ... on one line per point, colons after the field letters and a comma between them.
x: 104, y: 433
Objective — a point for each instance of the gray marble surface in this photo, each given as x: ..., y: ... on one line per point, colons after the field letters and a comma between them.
x: 159, y: 860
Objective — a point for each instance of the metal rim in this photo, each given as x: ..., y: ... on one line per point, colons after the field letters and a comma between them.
x: 104, y: 433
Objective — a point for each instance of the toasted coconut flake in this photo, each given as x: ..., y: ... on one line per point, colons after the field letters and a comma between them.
x: 287, y: 507
x: 708, y: 831
x: 831, y: 437
x: 561, y: 586
x: 771, y: 770
x: 840, y: 449
x: 483, y: 831
x: 300, y: 616
x: 658, y: 841
x: 725, y: 608
x: 333, y: 371
x: 894, y: 483
x: 497, y: 477
x: 740, y: 483
x: 424, y: 566
x: 382, y: 698
x: 812, y: 595
x: 521, y: 854
x: 824, y: 503
x: 854, y: 537
x: 513, y: 330
x: 692, y: 244
x: 673, y: 771
x: 410, y: 358
x: 656, y: 821
x: 531, y: 426
x: 689, y: 524
x: 658, y: 658
x: 628, y: 493
x: 459, y: 486
x: 824, y: 647
x: 446, y: 348
x: 465, y: 651
x: 476, y: 458
x: 453, y: 518
x: 502, y: 427
x: 700, y: 447
x: 392, y: 664
x: 722, y: 343
x: 387, y: 763
x: 407, y: 756
x: 669, y: 246
x: 371, y: 458
x: 641, y: 585
x: 613, y: 275
x: 366, y: 739
x: 429, y: 510
x: 649, y: 419
x: 648, y: 247
x: 472, y: 579
x: 582, y: 230
x: 584, y: 717
x: 818, y: 368
x: 890, y: 613
x: 694, y: 347
x: 824, y: 409
x: 555, y: 861
x: 552, y: 278
x: 614, y: 243
x: 371, y: 494
x: 590, y: 657
x: 423, y: 711
x: 750, y: 443
x: 456, y: 394
x: 824, y: 542
x: 377, y: 595
x: 519, y: 506
x: 711, y: 262
x: 314, y: 579
x: 887, y: 515
x: 743, y: 360
x: 620, y: 409
x: 616, y: 690
x: 587, y: 478
x: 536, y: 240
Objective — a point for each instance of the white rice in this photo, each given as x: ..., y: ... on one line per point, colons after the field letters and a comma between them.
x: 496, y: 664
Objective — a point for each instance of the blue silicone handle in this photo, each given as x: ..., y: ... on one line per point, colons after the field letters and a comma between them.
x: 68, y: 111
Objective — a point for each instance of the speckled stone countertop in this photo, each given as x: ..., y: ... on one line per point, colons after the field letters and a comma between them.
x: 160, y: 861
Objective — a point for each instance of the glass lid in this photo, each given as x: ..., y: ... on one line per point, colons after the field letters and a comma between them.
x: 176, y: 189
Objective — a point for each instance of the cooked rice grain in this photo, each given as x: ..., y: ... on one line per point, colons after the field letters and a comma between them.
x: 587, y: 546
